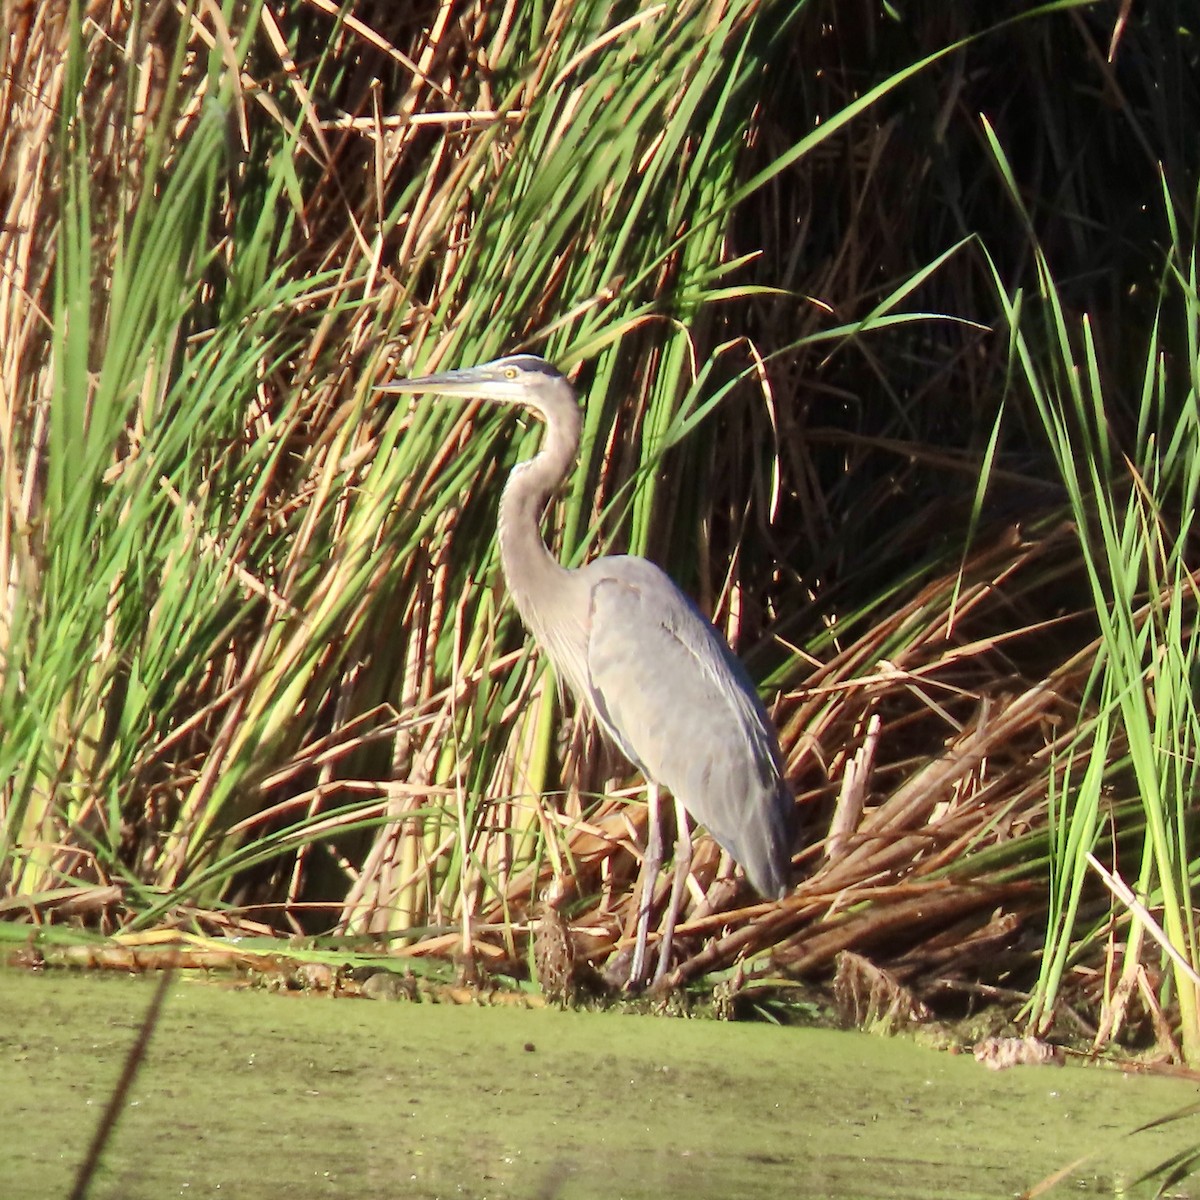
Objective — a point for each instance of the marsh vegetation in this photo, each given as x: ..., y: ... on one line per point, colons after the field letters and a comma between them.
x: 888, y: 328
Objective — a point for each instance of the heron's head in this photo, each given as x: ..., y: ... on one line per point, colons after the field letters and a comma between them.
x: 515, y: 379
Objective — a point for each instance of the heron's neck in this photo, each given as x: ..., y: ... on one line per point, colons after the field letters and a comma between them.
x: 534, y: 576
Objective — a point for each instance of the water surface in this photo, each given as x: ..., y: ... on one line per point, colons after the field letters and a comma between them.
x: 250, y: 1094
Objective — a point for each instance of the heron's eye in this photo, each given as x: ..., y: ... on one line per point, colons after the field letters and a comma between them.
x: 510, y: 372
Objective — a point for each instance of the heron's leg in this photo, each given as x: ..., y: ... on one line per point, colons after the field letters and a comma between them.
x: 683, y: 864
x: 651, y: 863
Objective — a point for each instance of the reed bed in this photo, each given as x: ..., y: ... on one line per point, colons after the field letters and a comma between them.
x: 259, y: 673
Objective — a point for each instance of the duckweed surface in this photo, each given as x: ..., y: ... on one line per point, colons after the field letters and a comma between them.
x: 249, y: 1094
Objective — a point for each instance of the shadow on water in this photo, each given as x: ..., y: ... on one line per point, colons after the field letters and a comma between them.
x: 115, y: 1105
x: 253, y: 1094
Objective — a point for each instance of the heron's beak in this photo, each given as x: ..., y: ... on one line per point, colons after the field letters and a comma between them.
x: 482, y: 383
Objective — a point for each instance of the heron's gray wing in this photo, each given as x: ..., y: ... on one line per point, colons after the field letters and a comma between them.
x: 681, y: 707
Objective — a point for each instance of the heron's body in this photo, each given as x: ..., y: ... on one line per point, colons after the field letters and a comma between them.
x: 658, y: 677
x: 655, y: 673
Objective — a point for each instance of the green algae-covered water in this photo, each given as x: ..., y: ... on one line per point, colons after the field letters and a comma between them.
x: 250, y: 1094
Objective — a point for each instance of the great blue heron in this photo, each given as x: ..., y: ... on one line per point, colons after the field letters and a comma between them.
x: 633, y: 648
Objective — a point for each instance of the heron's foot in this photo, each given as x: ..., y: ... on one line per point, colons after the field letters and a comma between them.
x: 618, y: 972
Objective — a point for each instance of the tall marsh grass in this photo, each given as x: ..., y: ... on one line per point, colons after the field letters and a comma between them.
x: 1132, y: 490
